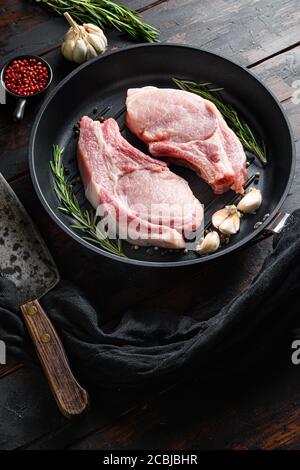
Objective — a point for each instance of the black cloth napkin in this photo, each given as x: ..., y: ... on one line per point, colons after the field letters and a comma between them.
x: 151, y: 347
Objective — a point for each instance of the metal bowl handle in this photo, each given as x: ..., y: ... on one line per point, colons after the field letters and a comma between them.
x: 19, y: 110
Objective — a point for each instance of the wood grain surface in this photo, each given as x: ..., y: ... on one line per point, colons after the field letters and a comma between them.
x: 257, y: 408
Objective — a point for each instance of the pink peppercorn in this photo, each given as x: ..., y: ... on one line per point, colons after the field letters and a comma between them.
x: 26, y: 77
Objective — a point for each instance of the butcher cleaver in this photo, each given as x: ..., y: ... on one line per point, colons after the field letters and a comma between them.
x: 25, y: 260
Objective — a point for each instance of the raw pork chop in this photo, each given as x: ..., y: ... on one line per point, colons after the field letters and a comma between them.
x: 148, y: 202
x: 189, y: 130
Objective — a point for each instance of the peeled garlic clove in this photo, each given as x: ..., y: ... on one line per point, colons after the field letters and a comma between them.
x: 251, y: 201
x: 79, y: 51
x: 231, y: 225
x: 209, y: 244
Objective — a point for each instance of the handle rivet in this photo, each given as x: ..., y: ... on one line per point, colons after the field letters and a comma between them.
x: 45, y: 338
x: 32, y: 310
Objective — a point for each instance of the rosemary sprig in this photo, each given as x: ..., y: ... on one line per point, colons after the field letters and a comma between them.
x: 106, y: 13
x: 85, y: 220
x: 241, y: 128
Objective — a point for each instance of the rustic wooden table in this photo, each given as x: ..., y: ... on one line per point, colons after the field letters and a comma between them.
x: 255, y: 409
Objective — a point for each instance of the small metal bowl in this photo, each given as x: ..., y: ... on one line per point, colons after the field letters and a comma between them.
x: 21, y: 99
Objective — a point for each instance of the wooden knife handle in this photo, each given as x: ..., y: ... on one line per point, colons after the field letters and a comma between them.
x: 71, y: 398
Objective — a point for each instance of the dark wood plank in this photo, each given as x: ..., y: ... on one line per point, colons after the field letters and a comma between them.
x: 106, y: 408
x: 244, y: 31
x: 28, y: 28
x: 141, y: 5
x: 27, y: 408
x: 29, y: 415
x: 292, y: 111
x: 280, y: 73
x: 253, y: 410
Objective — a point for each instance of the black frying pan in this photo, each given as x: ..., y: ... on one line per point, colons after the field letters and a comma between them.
x: 99, y: 88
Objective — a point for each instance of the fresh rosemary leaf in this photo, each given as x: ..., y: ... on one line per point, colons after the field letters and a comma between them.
x: 106, y: 13
x: 86, y: 221
x: 240, y: 127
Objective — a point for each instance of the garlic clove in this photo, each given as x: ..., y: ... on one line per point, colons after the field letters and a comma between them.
x: 82, y: 31
x: 219, y: 217
x: 97, y: 41
x: 90, y: 52
x: 67, y: 48
x: 92, y: 28
x: 231, y: 225
x: 79, y: 51
x: 70, y: 34
x: 251, y: 201
x: 209, y: 244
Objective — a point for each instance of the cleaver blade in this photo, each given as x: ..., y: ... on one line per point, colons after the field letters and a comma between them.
x: 24, y: 256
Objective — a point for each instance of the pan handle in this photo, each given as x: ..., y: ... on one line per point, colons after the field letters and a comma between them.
x: 277, y: 224
x: 71, y: 398
x: 19, y: 110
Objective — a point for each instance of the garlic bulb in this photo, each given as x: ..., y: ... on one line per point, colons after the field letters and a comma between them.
x: 82, y: 43
x: 209, y: 244
x: 251, y: 201
x: 227, y: 220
